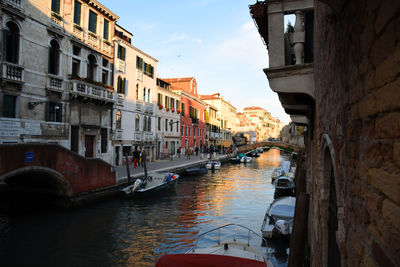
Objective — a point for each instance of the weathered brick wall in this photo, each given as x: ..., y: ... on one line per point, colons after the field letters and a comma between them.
x: 357, y: 84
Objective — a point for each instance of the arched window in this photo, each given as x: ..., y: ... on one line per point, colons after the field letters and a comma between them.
x: 148, y: 95
x: 137, y: 91
x: 144, y: 123
x: 91, y: 67
x: 11, y: 42
x: 137, y: 123
x: 149, y: 124
x: 119, y: 119
x: 54, y: 57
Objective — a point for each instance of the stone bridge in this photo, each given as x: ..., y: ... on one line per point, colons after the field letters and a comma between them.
x: 270, y: 144
x: 51, y: 169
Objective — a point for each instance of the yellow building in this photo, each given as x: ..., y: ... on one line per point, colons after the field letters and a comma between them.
x: 226, y: 115
x: 267, y: 126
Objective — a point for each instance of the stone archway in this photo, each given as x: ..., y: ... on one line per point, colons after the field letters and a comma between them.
x: 332, y: 205
x: 37, y: 179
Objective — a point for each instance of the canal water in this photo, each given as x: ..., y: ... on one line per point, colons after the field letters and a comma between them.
x: 126, y: 232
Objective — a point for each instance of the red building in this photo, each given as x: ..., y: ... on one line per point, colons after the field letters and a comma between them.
x: 192, y: 112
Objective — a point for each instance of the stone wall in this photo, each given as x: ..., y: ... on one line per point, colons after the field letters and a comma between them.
x: 357, y: 125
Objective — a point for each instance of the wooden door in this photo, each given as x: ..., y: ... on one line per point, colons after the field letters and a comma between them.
x: 89, y: 141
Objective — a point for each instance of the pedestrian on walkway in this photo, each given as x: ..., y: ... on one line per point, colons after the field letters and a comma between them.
x: 135, y: 157
x: 178, y: 151
x: 197, y: 151
x: 140, y: 158
x: 188, y: 152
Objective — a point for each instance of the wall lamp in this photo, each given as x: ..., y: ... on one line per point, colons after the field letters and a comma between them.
x: 32, y: 105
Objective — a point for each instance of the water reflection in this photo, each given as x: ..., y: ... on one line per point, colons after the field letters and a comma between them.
x: 124, y: 232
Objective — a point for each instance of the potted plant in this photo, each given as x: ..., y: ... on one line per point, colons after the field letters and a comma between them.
x: 160, y: 106
x: 167, y: 109
x: 172, y: 110
x: 178, y: 111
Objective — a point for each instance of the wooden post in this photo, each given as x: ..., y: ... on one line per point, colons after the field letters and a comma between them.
x: 299, y: 233
x: 144, y: 164
x: 127, y: 168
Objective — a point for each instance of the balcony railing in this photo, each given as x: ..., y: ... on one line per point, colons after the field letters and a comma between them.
x: 55, y: 83
x: 106, y: 47
x: 85, y: 89
x: 120, y: 65
x: 139, y: 75
x: 148, y: 137
x: 120, y: 99
x: 15, y: 3
x: 138, y: 136
x: 56, y: 18
x: 77, y: 31
x: 13, y: 72
x: 118, y: 134
x: 149, y: 108
x: 93, y: 40
x: 139, y: 106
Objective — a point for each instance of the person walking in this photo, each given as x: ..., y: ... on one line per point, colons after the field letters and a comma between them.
x: 197, y: 151
x: 135, y: 157
x: 178, y: 151
x: 188, y: 152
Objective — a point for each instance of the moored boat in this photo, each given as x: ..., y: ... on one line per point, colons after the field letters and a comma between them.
x: 196, y: 170
x: 284, y: 186
x: 276, y: 173
x: 278, y: 219
x: 235, y: 160
x: 156, y: 183
x: 224, y: 253
x: 216, y: 164
x: 246, y: 159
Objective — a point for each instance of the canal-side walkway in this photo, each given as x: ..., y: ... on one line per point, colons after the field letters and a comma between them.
x: 177, y: 164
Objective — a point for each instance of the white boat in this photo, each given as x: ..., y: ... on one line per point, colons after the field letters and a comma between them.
x: 155, y: 183
x: 217, y: 165
x: 284, y: 186
x: 246, y: 159
x: 278, y: 219
x: 276, y: 173
x: 227, y: 253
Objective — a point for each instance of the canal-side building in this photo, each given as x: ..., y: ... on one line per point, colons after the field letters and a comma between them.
x: 338, y: 73
x: 192, y: 112
x: 213, y: 126
x: 267, y: 126
x: 56, y: 79
x: 134, y: 111
x: 168, y: 115
x: 226, y: 115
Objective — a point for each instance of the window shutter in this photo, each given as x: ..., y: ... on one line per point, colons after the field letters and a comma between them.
x: 124, y: 86
x: 55, y: 6
x: 47, y: 111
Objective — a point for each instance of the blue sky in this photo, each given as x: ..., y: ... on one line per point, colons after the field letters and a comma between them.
x: 215, y: 41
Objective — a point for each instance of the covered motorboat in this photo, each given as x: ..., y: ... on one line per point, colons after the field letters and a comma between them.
x: 224, y: 253
x: 278, y: 219
x: 284, y: 186
x: 216, y: 164
x: 196, y: 170
x: 235, y: 160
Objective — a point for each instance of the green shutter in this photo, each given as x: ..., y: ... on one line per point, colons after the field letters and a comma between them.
x: 124, y: 86
x: 77, y: 13
x: 105, y: 33
x: 92, y: 21
x: 55, y: 6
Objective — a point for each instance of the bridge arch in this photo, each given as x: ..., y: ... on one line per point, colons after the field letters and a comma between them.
x: 37, y: 179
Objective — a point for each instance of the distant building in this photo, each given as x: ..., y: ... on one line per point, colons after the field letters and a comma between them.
x: 192, y: 112
x: 266, y: 125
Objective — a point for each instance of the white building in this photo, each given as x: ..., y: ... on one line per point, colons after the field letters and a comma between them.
x: 134, y: 112
x: 56, y: 74
x: 168, y: 121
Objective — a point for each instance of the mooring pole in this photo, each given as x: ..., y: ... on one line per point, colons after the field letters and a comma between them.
x: 127, y: 168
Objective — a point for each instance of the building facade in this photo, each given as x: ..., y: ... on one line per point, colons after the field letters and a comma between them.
x: 192, y: 112
x: 213, y: 129
x: 168, y: 117
x: 342, y: 82
x: 57, y: 74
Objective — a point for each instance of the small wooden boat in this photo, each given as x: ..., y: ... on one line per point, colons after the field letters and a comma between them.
x: 277, y: 172
x: 278, y: 219
x: 154, y: 184
x: 223, y: 253
x: 196, y: 171
x: 217, y: 165
x: 284, y: 186
x: 246, y: 159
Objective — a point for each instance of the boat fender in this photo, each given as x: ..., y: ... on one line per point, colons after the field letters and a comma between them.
x: 136, y: 185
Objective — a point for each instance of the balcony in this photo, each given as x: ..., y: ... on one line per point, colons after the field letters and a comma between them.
x: 118, y: 134
x: 139, y: 106
x: 120, y: 64
x: 13, y: 73
x: 55, y: 83
x: 148, y: 137
x: 149, y: 108
x: 91, y: 91
x: 195, y: 121
x: 14, y: 3
x: 138, y: 136
x: 139, y: 75
x: 56, y: 19
x: 291, y: 71
x: 77, y: 31
x: 93, y: 40
x: 106, y: 47
x: 120, y: 99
